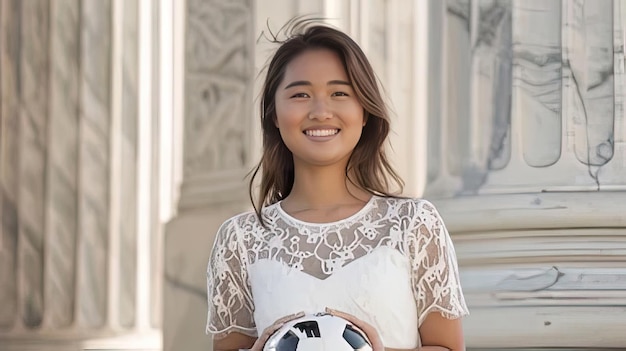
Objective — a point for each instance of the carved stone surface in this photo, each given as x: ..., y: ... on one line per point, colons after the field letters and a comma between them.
x: 589, y: 82
x: 93, y: 193
x: 445, y: 156
x: 218, y: 82
x: 216, y: 122
x: 128, y: 167
x: 72, y: 265
x: 538, y: 72
x: 540, y: 107
x: 529, y: 167
x: 490, y: 97
x: 62, y: 207
x: 9, y: 161
x: 33, y: 139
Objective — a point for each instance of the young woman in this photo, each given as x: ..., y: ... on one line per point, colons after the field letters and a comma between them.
x: 327, y: 233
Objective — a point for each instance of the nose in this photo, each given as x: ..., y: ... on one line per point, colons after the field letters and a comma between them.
x: 320, y: 111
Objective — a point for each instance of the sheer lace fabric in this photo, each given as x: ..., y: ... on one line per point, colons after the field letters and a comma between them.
x: 389, y: 264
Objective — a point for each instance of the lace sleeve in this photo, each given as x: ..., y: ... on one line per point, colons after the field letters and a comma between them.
x: 435, y: 275
x: 230, y: 306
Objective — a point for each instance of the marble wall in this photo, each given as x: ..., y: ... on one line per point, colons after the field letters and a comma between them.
x: 527, y: 164
x: 218, y: 74
x: 63, y: 116
x: 69, y: 155
x: 532, y: 97
x: 9, y: 71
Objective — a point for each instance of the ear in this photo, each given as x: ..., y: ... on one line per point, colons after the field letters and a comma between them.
x: 365, y: 117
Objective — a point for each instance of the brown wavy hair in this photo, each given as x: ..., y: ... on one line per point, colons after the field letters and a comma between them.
x: 368, y: 161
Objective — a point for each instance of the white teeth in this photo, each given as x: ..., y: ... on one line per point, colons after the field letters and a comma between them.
x: 321, y: 132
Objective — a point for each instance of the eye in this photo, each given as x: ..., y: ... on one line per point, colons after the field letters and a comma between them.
x: 300, y: 95
x: 340, y: 93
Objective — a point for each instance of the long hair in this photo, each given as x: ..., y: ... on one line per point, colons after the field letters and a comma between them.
x: 368, y: 162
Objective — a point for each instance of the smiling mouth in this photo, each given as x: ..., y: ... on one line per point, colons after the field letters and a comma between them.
x: 321, y: 132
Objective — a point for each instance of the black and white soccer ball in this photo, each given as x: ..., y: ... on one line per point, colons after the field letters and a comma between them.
x: 318, y: 332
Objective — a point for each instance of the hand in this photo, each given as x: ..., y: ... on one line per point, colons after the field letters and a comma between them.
x: 368, y: 329
x: 269, y: 331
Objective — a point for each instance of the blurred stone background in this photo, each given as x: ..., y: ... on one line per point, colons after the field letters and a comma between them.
x: 127, y: 128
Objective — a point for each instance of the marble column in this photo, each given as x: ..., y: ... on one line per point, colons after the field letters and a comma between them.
x: 72, y: 251
x: 527, y: 164
x: 63, y: 160
x: 9, y: 146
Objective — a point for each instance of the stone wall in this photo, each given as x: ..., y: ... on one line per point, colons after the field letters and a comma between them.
x: 527, y: 163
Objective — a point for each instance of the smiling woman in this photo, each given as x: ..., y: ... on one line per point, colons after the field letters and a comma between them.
x: 327, y: 233
x: 316, y: 104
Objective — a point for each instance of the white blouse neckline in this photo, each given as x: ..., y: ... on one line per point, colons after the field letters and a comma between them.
x: 350, y: 218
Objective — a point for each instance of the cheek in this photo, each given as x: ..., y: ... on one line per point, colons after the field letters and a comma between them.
x: 354, y: 111
x: 287, y: 124
x: 285, y: 115
x: 356, y: 115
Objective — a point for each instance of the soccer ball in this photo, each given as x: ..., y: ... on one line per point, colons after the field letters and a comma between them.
x: 318, y: 332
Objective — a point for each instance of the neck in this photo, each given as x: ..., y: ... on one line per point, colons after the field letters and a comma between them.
x: 322, y: 188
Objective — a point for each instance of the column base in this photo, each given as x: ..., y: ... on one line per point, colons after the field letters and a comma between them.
x: 541, y: 270
x: 149, y: 341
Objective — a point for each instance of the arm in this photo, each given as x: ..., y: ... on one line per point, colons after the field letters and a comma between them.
x: 233, y: 342
x: 433, y: 259
x: 437, y: 330
x: 229, y: 297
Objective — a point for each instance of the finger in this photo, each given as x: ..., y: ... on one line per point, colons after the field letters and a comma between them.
x: 262, y: 339
x: 269, y: 331
x: 350, y: 318
x: 290, y: 317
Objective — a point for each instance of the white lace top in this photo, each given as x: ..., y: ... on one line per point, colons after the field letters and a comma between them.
x: 389, y: 264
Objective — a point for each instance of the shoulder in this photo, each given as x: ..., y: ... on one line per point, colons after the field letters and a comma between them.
x: 230, y: 226
x: 414, y: 212
x: 248, y: 222
x: 415, y: 207
x: 228, y: 241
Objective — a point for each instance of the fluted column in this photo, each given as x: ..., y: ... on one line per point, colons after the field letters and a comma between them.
x: 76, y: 245
x: 533, y: 98
x: 527, y: 163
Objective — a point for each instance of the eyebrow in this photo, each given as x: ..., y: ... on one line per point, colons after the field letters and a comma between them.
x: 306, y: 82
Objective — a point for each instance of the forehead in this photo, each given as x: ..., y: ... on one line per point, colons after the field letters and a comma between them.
x: 315, y: 64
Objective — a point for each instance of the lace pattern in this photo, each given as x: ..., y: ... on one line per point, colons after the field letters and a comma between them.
x: 412, y: 227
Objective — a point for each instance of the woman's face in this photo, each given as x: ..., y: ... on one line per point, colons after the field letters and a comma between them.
x: 318, y: 114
